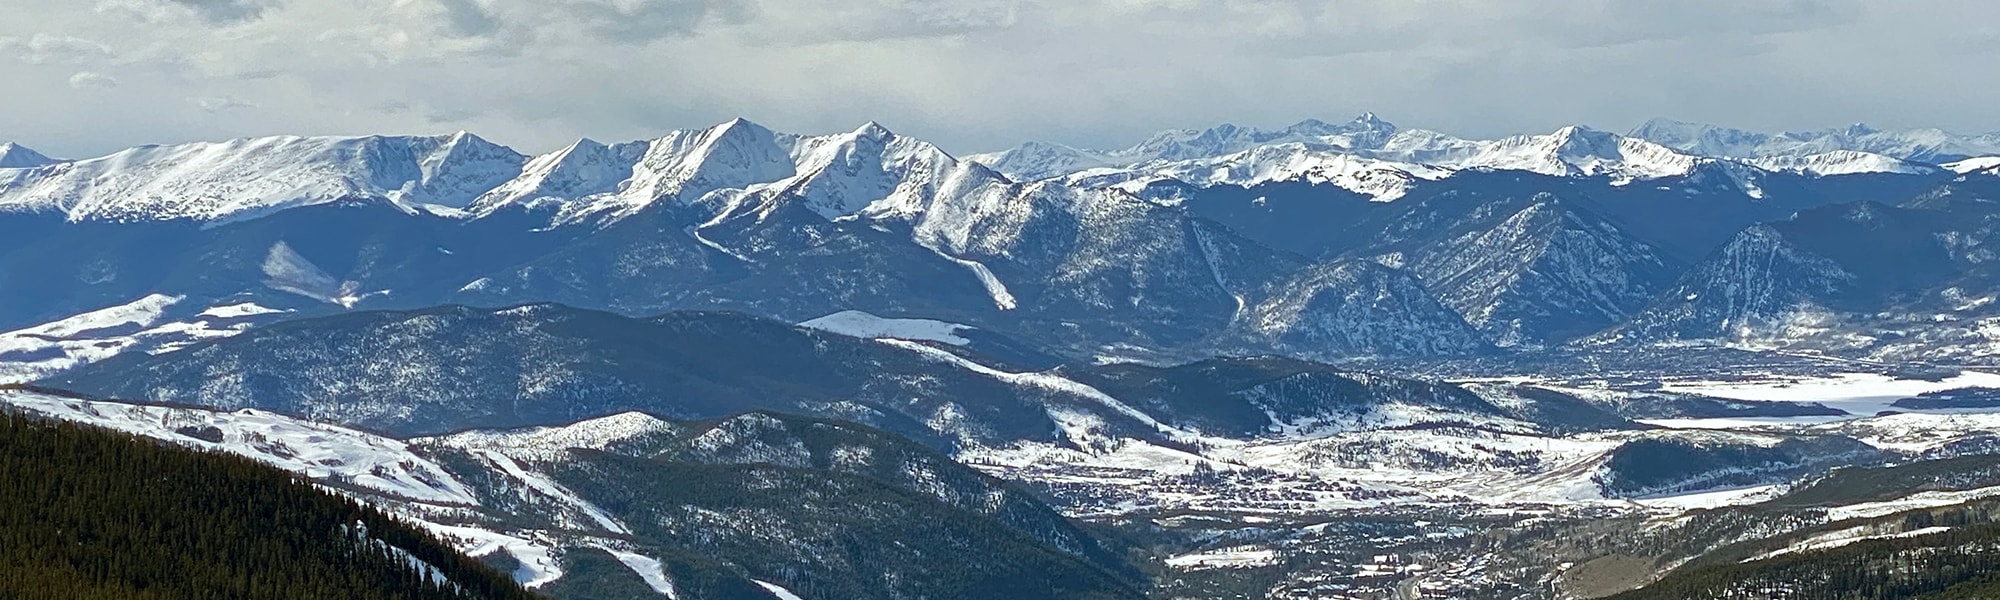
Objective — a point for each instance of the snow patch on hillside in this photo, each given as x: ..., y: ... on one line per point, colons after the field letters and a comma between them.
x: 536, y: 557
x: 548, y: 443
x: 1982, y: 164
x: 648, y: 569
x: 864, y: 325
x: 142, y: 325
x: 286, y: 270
x: 1844, y: 537
x: 1225, y: 558
x: 779, y: 591
x: 541, y: 483
x: 1869, y: 510
x: 1839, y: 162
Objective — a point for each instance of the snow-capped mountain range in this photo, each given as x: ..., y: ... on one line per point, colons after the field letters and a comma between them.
x: 1659, y: 148
x: 1318, y: 240
x: 248, y: 177
x: 1927, y: 146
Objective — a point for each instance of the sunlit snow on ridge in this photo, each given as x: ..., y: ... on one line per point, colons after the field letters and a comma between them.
x: 147, y: 324
x: 868, y: 326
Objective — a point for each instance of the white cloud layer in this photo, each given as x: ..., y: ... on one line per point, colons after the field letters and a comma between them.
x: 974, y: 74
x: 83, y: 80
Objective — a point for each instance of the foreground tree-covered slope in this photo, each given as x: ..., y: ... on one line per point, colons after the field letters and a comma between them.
x: 1958, y: 564
x: 86, y: 513
x: 1947, y: 552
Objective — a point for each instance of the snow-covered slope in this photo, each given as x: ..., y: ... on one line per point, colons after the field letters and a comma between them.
x: 371, y: 462
x: 247, y: 178
x: 583, y: 169
x: 863, y: 325
x: 844, y: 174
x: 153, y: 324
x: 1039, y: 160
x: 1295, y: 161
x: 1659, y: 148
x: 1343, y: 153
x: 1989, y: 165
x: 1570, y: 151
x: 1839, y: 162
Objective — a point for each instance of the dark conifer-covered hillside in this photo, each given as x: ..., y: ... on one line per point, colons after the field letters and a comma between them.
x: 1949, y: 552
x: 87, y: 513
x: 1958, y: 564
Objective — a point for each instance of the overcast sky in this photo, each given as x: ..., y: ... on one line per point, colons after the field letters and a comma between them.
x: 84, y: 77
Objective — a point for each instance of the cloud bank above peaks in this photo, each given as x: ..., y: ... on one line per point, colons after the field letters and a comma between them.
x: 975, y: 74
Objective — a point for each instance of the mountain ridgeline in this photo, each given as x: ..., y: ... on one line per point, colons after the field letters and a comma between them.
x: 439, y: 370
x: 1321, y: 241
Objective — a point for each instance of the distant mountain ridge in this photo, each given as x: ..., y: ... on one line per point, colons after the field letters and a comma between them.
x: 1927, y: 146
x: 1196, y: 243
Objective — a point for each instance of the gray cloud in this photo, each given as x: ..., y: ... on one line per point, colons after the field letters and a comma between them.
x: 468, y: 18
x: 220, y: 103
x: 226, y: 11
x: 45, y: 49
x: 981, y: 74
x: 633, y: 21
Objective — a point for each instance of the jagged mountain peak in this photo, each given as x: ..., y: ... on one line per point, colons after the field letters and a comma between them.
x: 16, y: 156
x: 688, y: 164
x: 873, y: 129
x: 1859, y: 129
x: 464, y: 167
x: 1312, y: 125
x: 1582, y: 140
x: 1184, y: 144
x: 1366, y: 131
x: 844, y: 174
x: 582, y: 169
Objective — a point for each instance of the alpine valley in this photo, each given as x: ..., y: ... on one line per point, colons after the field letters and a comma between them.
x: 1329, y: 361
